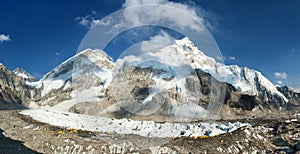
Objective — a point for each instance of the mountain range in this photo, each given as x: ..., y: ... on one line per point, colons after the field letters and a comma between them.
x: 90, y: 82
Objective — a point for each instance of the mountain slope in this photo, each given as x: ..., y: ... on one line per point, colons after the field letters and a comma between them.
x: 151, y: 86
x: 13, y: 90
x: 25, y: 75
x: 85, y: 80
x: 244, y: 80
x: 247, y: 81
x: 87, y: 70
x: 293, y: 95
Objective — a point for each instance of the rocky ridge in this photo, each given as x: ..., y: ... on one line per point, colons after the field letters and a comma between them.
x: 88, y: 76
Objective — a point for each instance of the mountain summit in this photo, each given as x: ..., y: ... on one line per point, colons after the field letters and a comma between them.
x: 82, y: 84
x: 25, y: 75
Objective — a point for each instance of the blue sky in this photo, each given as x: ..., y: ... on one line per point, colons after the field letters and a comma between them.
x: 260, y: 34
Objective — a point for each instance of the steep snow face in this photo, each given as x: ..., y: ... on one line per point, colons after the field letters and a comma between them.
x: 23, y: 74
x: 87, y: 67
x: 246, y: 80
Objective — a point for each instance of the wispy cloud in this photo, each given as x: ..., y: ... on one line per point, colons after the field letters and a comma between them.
x: 279, y: 82
x: 4, y: 38
x: 58, y: 53
x: 280, y: 75
x: 226, y: 58
x: 198, y: 15
x: 231, y: 58
x: 139, y: 15
x: 157, y: 42
x: 90, y: 21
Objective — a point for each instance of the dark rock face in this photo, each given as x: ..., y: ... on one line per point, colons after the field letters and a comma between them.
x: 201, y: 86
x: 237, y: 103
x: 206, y: 88
x: 269, y: 98
x: 294, y: 97
x: 245, y: 102
x: 13, y: 90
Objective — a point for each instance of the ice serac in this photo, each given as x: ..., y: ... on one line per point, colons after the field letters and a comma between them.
x: 247, y: 81
x: 88, y: 69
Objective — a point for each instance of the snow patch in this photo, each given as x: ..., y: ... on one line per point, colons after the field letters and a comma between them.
x: 22, y: 75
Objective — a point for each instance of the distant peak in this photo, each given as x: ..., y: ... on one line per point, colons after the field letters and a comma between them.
x: 94, y: 52
x: 23, y: 74
x: 85, y: 51
x: 89, y: 50
x: 18, y: 69
x: 2, y: 66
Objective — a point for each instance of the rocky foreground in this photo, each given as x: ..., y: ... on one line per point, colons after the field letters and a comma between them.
x: 21, y: 134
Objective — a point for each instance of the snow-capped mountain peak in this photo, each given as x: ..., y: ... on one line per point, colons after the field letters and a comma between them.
x: 246, y: 80
x: 23, y: 74
x: 94, y: 56
x: 85, y: 64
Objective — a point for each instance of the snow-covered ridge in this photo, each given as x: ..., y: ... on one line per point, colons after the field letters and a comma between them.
x: 295, y: 90
x: 242, y: 78
x: 23, y: 74
x: 93, y: 55
x: 127, y: 126
x: 102, y: 66
x: 246, y: 80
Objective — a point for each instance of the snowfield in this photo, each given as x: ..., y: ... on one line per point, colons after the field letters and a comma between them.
x: 127, y: 126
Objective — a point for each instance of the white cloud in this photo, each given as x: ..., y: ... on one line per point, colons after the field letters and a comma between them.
x: 171, y: 13
x: 58, y: 53
x: 4, y: 38
x: 280, y: 75
x: 89, y: 20
x: 157, y: 42
x: 225, y: 58
x: 231, y: 58
x: 279, y: 82
x: 220, y: 58
x: 82, y: 21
